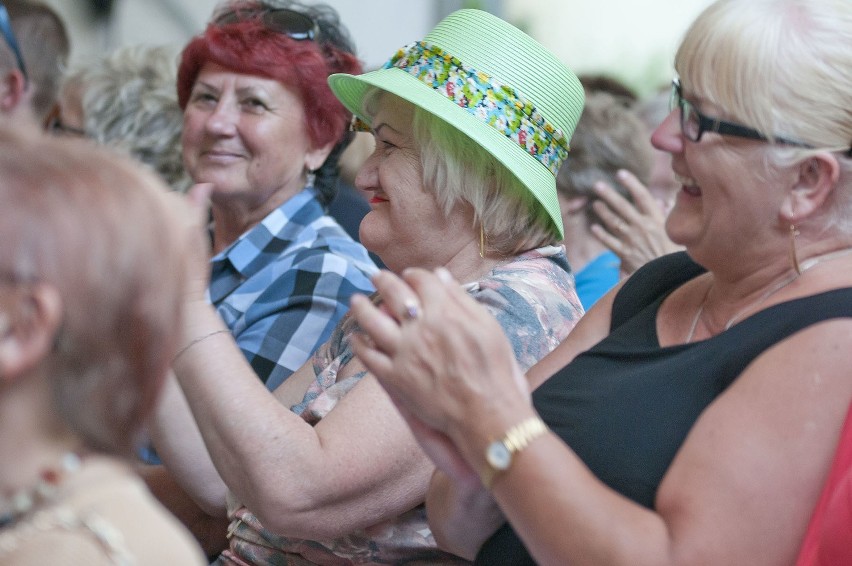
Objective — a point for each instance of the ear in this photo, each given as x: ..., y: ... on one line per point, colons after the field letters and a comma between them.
x: 315, y: 157
x: 28, y: 326
x: 814, y: 181
x: 13, y: 90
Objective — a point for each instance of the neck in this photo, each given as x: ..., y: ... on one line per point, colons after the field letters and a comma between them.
x: 31, y: 437
x: 234, y: 215
x: 468, y: 266
x: 756, y: 299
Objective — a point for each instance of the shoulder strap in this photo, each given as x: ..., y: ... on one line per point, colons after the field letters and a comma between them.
x: 650, y: 283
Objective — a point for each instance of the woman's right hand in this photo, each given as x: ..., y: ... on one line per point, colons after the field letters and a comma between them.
x: 442, y: 357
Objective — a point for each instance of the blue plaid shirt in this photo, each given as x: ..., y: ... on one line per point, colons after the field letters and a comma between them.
x: 284, y: 284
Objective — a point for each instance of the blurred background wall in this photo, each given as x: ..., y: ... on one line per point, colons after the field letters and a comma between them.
x: 629, y: 39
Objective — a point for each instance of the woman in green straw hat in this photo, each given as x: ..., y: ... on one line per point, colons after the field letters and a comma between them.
x: 471, y: 125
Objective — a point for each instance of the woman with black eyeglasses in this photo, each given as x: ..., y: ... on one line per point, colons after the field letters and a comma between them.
x: 692, y: 415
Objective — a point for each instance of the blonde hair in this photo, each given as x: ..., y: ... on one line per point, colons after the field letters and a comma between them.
x: 457, y: 169
x: 103, y: 234
x: 783, y: 67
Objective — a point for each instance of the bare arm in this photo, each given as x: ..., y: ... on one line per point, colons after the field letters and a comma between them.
x: 740, y: 490
x: 181, y: 448
x: 357, y: 466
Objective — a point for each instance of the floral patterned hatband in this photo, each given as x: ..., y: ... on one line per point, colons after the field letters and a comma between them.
x: 498, y: 105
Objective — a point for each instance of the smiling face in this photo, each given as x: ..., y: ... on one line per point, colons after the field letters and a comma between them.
x: 246, y: 135
x: 727, y: 202
x: 406, y: 227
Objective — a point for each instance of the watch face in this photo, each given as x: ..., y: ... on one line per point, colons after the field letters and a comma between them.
x: 498, y: 455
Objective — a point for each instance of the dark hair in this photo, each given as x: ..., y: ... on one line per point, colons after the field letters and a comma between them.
x: 249, y: 47
x: 609, y: 84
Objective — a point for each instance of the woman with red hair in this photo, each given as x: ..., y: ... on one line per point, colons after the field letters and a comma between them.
x: 262, y: 126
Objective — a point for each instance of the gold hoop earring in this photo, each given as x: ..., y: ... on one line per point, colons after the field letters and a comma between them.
x: 481, y: 241
x: 794, y: 258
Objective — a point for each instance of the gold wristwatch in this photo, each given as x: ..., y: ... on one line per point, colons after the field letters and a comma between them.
x: 498, y: 454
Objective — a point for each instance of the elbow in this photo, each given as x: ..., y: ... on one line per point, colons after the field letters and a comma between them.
x: 211, y: 500
x: 302, y: 523
x: 298, y: 516
x: 449, y: 545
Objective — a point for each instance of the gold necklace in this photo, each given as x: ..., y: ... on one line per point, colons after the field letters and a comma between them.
x: 804, y: 266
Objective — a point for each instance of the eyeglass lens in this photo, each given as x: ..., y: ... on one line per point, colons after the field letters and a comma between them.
x: 9, y: 36
x: 689, y: 120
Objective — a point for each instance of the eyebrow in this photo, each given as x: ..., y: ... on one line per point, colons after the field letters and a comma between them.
x: 377, y: 130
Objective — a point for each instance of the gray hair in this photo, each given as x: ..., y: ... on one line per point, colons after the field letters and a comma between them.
x: 129, y: 101
x: 608, y: 137
x: 43, y: 41
x: 458, y: 169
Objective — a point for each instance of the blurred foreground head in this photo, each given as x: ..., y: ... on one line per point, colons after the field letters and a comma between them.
x: 91, y: 279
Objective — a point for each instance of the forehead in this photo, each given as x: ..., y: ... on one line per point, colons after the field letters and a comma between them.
x: 395, y: 112
x: 213, y: 75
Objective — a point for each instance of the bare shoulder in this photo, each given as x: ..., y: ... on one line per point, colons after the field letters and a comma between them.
x: 758, y: 455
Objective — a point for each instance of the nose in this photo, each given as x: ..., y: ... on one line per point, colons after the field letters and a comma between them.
x: 223, y: 119
x: 367, y: 177
x: 667, y: 137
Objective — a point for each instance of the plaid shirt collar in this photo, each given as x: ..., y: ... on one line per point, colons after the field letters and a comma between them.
x: 280, y: 229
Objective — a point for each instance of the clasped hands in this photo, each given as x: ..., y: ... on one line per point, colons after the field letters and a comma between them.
x: 442, y: 358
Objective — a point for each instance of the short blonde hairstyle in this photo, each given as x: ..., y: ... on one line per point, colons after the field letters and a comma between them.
x: 783, y: 67
x: 105, y: 235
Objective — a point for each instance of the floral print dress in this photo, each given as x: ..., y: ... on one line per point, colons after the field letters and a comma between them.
x: 532, y: 297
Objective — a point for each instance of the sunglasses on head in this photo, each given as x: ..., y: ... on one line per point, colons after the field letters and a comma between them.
x: 9, y: 36
x: 291, y: 23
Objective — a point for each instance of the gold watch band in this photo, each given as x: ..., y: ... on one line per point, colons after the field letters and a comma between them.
x: 499, y: 454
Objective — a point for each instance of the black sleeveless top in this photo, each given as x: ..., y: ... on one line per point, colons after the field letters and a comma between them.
x: 626, y: 405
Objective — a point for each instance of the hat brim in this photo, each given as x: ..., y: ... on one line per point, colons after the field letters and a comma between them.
x: 351, y: 90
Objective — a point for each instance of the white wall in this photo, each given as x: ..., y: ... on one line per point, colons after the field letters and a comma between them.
x: 379, y: 27
x: 632, y: 39
x: 635, y: 40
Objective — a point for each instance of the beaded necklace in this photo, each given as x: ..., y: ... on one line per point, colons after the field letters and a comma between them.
x: 14, y: 505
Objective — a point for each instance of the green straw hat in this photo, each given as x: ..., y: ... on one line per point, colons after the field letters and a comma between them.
x: 494, y: 83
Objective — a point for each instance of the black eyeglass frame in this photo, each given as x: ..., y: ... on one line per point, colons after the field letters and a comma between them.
x: 293, y: 24
x: 11, y: 40
x: 722, y: 127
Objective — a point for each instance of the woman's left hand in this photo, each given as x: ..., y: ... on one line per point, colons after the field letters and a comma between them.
x: 198, y: 264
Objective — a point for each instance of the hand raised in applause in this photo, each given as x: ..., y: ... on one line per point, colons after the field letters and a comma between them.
x: 451, y: 356
x: 635, y: 232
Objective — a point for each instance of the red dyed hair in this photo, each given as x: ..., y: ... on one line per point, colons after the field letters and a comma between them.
x: 249, y: 47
